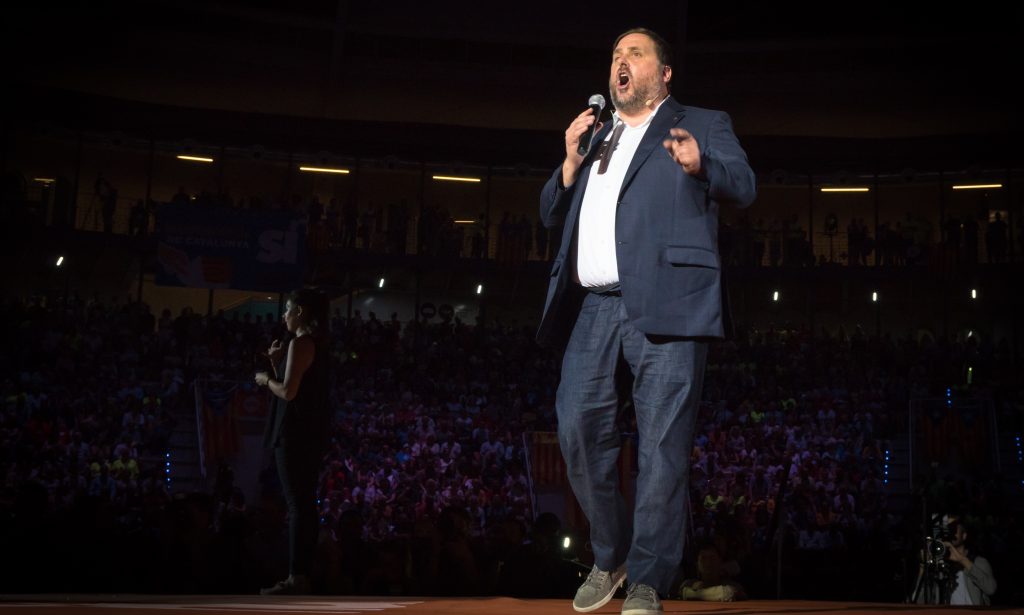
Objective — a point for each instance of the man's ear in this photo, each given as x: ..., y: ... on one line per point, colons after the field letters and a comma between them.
x: 666, y: 73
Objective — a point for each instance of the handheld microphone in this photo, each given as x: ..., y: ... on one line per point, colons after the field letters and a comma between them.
x: 596, y: 103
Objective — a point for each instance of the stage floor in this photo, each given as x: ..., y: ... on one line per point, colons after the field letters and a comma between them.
x: 239, y: 605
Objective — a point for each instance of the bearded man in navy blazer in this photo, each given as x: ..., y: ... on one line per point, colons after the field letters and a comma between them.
x: 637, y: 279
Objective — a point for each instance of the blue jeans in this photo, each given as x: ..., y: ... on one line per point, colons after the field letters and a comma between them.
x: 668, y: 373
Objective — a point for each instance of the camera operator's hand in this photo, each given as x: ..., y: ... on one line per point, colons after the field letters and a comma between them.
x: 957, y: 555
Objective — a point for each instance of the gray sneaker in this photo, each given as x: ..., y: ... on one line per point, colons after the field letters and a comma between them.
x: 598, y: 589
x: 641, y: 600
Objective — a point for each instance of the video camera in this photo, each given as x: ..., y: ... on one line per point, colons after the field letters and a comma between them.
x: 942, y: 529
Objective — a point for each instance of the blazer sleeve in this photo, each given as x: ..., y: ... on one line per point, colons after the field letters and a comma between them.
x: 730, y: 179
x: 555, y: 200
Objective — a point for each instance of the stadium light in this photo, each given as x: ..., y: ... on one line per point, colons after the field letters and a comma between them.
x: 381, y: 283
x: 852, y: 189
x: 60, y: 261
x: 974, y: 293
x: 874, y: 296
x: 456, y: 178
x: 976, y: 186
x: 324, y: 170
x: 195, y: 158
x: 479, y: 289
x: 775, y: 295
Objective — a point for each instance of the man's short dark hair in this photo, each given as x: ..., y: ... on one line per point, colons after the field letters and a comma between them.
x: 661, y: 46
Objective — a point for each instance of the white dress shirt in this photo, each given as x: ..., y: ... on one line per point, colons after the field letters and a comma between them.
x: 596, y: 262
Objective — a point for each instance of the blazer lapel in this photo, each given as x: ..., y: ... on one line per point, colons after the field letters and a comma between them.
x: 668, y: 116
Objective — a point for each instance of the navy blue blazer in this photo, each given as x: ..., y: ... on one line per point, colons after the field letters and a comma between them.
x: 666, y: 229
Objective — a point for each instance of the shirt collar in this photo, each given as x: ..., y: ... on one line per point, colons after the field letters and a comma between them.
x: 615, y: 116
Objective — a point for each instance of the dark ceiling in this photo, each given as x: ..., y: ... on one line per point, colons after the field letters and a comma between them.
x: 783, y: 70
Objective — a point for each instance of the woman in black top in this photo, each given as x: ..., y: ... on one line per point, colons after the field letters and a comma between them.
x: 298, y: 425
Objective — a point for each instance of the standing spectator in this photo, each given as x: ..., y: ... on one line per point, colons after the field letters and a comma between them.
x: 995, y: 239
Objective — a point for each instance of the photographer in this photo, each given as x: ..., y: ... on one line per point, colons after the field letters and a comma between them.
x: 967, y: 577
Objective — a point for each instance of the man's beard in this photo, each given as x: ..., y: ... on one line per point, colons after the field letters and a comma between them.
x: 637, y: 100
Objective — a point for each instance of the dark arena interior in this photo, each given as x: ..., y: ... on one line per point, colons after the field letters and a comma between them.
x: 173, y: 171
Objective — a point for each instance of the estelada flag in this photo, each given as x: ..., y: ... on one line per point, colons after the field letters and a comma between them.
x: 220, y: 422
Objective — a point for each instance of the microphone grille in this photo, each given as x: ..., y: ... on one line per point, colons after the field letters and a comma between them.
x: 596, y: 99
